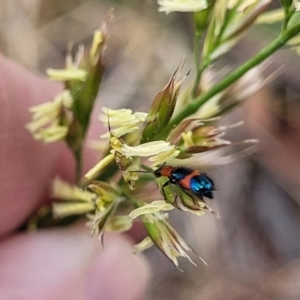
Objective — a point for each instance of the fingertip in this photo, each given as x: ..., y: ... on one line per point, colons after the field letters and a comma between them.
x: 26, y: 164
x: 49, y: 264
x: 117, y: 273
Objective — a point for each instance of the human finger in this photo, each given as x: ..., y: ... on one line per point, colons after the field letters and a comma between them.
x: 65, y: 263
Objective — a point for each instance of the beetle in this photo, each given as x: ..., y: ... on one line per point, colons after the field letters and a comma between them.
x: 188, y: 179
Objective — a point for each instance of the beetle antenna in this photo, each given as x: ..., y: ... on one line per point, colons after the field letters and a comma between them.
x: 140, y: 171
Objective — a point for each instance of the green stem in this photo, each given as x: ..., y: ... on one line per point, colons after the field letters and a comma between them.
x: 205, y: 63
x: 196, y: 52
x: 130, y: 198
x: 194, y: 105
x: 78, y: 159
x: 287, y: 16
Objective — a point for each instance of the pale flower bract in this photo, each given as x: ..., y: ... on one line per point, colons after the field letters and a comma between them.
x: 168, y: 6
x: 51, y: 120
x: 121, y: 121
x: 166, y: 238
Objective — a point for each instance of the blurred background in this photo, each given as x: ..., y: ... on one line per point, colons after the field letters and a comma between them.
x: 253, y: 249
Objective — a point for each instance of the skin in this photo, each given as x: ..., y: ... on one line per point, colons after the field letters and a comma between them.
x: 58, y: 263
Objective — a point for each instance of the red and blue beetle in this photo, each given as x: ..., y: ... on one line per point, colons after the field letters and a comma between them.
x: 188, y: 179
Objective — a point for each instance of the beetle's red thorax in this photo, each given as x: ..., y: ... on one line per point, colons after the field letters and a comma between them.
x: 166, y: 171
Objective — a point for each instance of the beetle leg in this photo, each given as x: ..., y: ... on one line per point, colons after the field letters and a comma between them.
x: 174, y: 192
x: 163, y: 189
x: 176, y: 196
x: 194, y: 201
